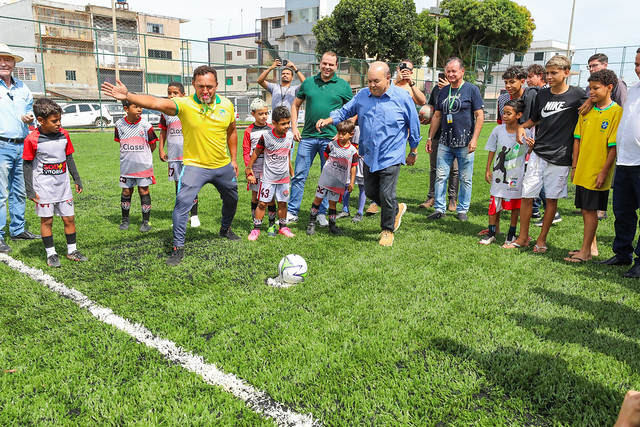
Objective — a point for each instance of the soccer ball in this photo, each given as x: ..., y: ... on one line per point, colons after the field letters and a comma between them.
x: 425, y: 114
x: 292, y: 269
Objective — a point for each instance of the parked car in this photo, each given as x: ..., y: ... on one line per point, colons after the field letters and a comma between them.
x: 116, y: 111
x: 85, y: 114
x: 152, y: 116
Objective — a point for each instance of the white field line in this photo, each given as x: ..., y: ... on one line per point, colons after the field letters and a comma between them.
x: 259, y: 401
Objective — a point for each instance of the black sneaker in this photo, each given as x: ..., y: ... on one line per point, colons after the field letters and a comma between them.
x: 436, y: 215
x: 124, y: 225
x: 53, y: 261
x: 26, y: 235
x: 229, y: 234
x: 311, y: 228
x: 334, y: 229
x: 145, y: 227
x: 77, y: 256
x: 176, y: 256
x: 462, y: 216
x: 4, y: 248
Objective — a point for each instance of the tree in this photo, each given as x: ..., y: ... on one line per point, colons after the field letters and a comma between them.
x: 385, y: 30
x: 500, y: 24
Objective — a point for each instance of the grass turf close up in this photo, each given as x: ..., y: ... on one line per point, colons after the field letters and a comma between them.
x: 433, y: 330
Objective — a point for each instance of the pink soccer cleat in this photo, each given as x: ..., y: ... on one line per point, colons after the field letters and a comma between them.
x: 254, y: 234
x: 285, y: 232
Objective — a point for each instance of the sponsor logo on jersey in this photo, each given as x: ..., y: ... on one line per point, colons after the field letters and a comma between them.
x: 339, y: 166
x: 277, y: 157
x: 174, y: 131
x: 132, y: 147
x: 54, y: 168
x: 553, y: 107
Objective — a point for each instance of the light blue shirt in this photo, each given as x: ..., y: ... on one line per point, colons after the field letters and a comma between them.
x: 15, y: 101
x: 385, y: 124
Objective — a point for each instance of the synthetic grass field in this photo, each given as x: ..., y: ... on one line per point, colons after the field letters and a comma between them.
x: 436, y: 330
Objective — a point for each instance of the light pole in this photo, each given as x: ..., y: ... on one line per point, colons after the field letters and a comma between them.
x: 573, y: 9
x: 437, y: 12
x: 115, y: 38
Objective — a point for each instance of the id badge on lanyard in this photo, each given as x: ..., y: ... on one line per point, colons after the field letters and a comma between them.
x: 449, y: 118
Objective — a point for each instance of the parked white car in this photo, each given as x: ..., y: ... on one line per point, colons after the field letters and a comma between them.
x: 151, y: 116
x: 85, y: 114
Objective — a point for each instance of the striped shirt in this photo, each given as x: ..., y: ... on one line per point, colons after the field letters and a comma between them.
x: 276, y: 157
x: 135, y: 151
x: 175, y: 142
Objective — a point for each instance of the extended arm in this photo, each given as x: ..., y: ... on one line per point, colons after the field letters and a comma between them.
x: 263, y: 76
x: 120, y: 92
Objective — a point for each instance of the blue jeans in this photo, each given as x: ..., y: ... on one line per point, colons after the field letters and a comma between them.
x: 465, y: 168
x: 12, y: 188
x: 307, y: 150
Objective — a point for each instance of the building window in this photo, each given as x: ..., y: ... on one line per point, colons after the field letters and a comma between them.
x: 239, y: 78
x: 70, y: 75
x: 276, y: 23
x: 160, y: 54
x: 538, y: 56
x: 250, y: 54
x: 229, y: 81
x: 25, y: 73
x: 229, y: 56
x: 518, y: 57
x: 296, y: 46
x: 164, y: 79
x: 155, y: 28
x: 238, y: 53
x: 489, y: 79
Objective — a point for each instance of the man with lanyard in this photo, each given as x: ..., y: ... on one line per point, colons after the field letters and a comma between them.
x: 387, y: 116
x: 16, y: 114
x: 283, y: 93
x: 459, y: 112
x: 209, y: 129
x: 323, y: 93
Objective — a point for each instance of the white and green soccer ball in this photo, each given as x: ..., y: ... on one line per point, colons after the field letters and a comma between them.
x: 292, y: 269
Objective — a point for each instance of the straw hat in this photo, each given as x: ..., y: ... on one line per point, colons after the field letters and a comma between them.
x: 5, y: 51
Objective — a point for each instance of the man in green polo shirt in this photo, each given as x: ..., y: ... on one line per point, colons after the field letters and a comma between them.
x: 323, y: 93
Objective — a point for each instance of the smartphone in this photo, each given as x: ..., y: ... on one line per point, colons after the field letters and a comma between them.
x: 285, y: 62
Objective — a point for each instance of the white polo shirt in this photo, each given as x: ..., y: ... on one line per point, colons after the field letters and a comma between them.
x: 628, y: 138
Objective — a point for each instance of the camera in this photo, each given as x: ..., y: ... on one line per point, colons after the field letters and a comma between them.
x: 403, y: 66
x: 285, y: 62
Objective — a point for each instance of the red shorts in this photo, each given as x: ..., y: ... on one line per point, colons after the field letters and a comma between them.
x: 497, y: 204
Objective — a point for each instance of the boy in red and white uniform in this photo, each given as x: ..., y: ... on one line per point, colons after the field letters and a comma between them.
x: 260, y: 111
x: 338, y: 175
x: 277, y: 170
x: 48, y: 160
x: 137, y: 141
x: 171, y: 134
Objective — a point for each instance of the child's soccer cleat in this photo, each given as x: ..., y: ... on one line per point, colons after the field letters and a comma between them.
x: 311, y: 228
x: 195, y: 221
x: 124, y: 225
x: 322, y: 220
x: 487, y: 240
x: 77, y: 256
x: 334, y: 229
x: 145, y: 227
x: 285, y: 232
x: 254, y: 234
x: 53, y: 261
x: 271, y: 231
x: 357, y: 218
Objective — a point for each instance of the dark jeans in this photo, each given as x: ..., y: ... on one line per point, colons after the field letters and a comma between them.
x: 452, y: 189
x: 626, y: 201
x: 380, y: 186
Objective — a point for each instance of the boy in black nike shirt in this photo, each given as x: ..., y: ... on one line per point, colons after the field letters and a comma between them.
x: 555, y: 114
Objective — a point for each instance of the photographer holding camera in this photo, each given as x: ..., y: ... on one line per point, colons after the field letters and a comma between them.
x: 404, y: 80
x: 283, y: 93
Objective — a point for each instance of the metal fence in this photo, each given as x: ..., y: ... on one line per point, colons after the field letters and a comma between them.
x: 69, y: 54
x: 488, y: 65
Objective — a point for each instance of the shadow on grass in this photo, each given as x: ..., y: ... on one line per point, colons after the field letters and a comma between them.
x: 544, y: 383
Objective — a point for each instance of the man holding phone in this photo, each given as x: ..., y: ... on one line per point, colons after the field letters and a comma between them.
x: 283, y: 93
x: 16, y: 113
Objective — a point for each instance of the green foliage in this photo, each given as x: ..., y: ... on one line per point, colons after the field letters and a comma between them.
x: 385, y: 30
x: 501, y: 24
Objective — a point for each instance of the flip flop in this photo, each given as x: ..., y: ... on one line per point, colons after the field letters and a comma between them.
x: 539, y: 249
x: 512, y: 245
x: 575, y: 259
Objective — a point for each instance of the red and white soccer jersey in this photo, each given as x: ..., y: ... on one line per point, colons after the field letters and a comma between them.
x: 251, y: 137
x: 175, y: 141
x: 276, y: 157
x: 336, y: 174
x: 135, y: 153
x: 49, y: 154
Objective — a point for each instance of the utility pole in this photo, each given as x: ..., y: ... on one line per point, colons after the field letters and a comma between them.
x: 115, y: 38
x: 437, y: 12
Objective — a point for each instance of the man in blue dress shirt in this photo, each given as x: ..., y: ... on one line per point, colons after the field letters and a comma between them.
x: 387, y: 116
x: 16, y: 114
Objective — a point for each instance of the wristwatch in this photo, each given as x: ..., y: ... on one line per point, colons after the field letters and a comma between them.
x: 412, y: 84
x: 412, y: 154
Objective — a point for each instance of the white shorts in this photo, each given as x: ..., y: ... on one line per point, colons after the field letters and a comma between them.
x: 540, y: 172
x: 126, y: 182
x: 332, y: 196
x: 269, y: 189
x: 47, y: 210
x: 175, y: 169
x: 255, y: 187
x: 360, y: 171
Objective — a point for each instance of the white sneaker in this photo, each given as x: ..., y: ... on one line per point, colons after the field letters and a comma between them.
x: 291, y: 218
x: 195, y: 221
x: 322, y: 220
x: 487, y: 240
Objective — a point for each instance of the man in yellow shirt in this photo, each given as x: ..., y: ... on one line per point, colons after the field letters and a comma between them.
x: 209, y: 129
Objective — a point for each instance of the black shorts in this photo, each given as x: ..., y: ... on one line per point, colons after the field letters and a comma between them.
x: 591, y: 200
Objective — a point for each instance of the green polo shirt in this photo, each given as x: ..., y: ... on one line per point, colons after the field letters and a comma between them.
x: 322, y: 98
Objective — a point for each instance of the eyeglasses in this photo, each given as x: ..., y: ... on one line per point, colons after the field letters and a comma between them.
x: 593, y: 67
